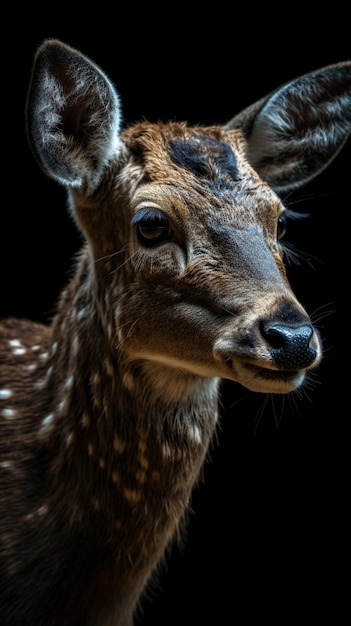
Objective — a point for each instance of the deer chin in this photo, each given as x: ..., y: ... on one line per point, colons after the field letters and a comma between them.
x: 266, y: 380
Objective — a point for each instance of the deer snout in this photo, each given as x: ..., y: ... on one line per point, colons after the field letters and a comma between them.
x: 269, y: 356
x: 292, y: 347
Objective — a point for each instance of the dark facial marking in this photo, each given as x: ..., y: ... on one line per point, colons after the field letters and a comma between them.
x: 205, y: 157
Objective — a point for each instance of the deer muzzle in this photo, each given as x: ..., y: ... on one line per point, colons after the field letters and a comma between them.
x: 270, y: 357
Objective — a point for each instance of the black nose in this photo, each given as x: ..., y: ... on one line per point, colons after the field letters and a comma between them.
x: 291, y: 346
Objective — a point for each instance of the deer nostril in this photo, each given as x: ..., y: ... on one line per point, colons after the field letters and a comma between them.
x: 291, y: 346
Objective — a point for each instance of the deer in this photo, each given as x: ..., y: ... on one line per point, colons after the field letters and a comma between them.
x: 109, y: 410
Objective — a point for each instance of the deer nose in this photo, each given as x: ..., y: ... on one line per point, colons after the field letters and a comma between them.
x: 291, y: 346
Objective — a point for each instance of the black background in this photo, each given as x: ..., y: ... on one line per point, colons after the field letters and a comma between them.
x: 269, y: 533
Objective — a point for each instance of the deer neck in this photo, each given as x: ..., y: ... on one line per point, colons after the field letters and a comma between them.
x: 133, y: 433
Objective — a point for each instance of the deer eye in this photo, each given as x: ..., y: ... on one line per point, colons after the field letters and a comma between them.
x: 281, y: 226
x: 152, y: 227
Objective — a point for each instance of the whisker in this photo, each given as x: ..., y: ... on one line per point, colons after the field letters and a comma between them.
x: 110, y: 256
x: 261, y: 411
x: 295, y: 256
x: 321, y: 313
x: 124, y: 262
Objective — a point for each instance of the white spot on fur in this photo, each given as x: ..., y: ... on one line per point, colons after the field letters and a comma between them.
x: 43, y: 510
x: 69, y: 382
x: 46, y: 424
x: 43, y: 356
x: 61, y: 405
x: 5, y: 393
x: 195, y: 433
x: 35, y: 348
x: 8, y: 413
x: 15, y: 343
x: 31, y: 367
x: 19, y: 351
x: 39, y: 384
x: 5, y: 465
x: 82, y: 313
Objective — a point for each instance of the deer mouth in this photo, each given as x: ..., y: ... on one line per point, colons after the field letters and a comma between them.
x: 268, y: 380
x: 269, y: 374
x: 264, y: 379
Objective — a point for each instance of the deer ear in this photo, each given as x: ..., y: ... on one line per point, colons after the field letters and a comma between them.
x: 297, y: 130
x: 72, y: 115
